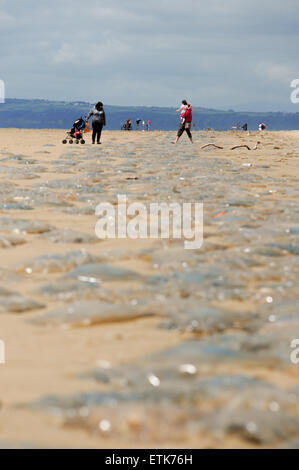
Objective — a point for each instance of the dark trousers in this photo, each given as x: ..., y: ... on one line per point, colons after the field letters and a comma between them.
x: 96, y: 131
x: 182, y: 129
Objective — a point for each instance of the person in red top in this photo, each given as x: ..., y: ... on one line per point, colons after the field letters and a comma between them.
x: 186, y: 122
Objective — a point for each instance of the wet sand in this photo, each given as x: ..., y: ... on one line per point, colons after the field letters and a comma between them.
x: 229, y: 310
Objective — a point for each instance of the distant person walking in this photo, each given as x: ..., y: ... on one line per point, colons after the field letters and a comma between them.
x: 186, y: 122
x: 262, y: 126
x: 98, y: 121
x: 138, y: 121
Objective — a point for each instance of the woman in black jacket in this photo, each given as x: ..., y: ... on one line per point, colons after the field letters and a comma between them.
x: 98, y: 121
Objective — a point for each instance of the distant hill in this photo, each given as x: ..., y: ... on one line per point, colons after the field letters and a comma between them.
x: 42, y: 114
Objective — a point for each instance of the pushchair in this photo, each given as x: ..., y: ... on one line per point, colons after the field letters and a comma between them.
x: 127, y: 126
x: 76, y: 132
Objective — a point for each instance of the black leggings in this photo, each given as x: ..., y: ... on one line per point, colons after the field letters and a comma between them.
x: 96, y: 131
x: 182, y: 129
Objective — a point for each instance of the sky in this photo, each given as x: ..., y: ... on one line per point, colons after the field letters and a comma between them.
x: 231, y: 54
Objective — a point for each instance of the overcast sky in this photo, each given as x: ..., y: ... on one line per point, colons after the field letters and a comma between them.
x: 216, y: 53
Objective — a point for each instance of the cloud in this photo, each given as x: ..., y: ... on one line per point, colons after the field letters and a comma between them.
x: 133, y: 52
x: 91, y: 54
x: 275, y: 72
x: 6, y: 21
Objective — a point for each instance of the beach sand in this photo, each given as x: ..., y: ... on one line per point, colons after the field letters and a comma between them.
x: 246, y: 273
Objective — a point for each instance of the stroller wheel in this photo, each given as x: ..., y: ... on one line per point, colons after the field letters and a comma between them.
x: 82, y: 141
x: 64, y: 141
x: 71, y: 141
x: 77, y: 141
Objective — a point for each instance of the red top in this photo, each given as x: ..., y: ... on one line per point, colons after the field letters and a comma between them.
x: 187, y: 115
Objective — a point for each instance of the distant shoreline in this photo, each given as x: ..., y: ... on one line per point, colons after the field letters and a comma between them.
x: 135, y: 131
x: 42, y: 114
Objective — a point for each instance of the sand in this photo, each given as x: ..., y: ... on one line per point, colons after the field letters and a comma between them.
x: 49, y: 360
